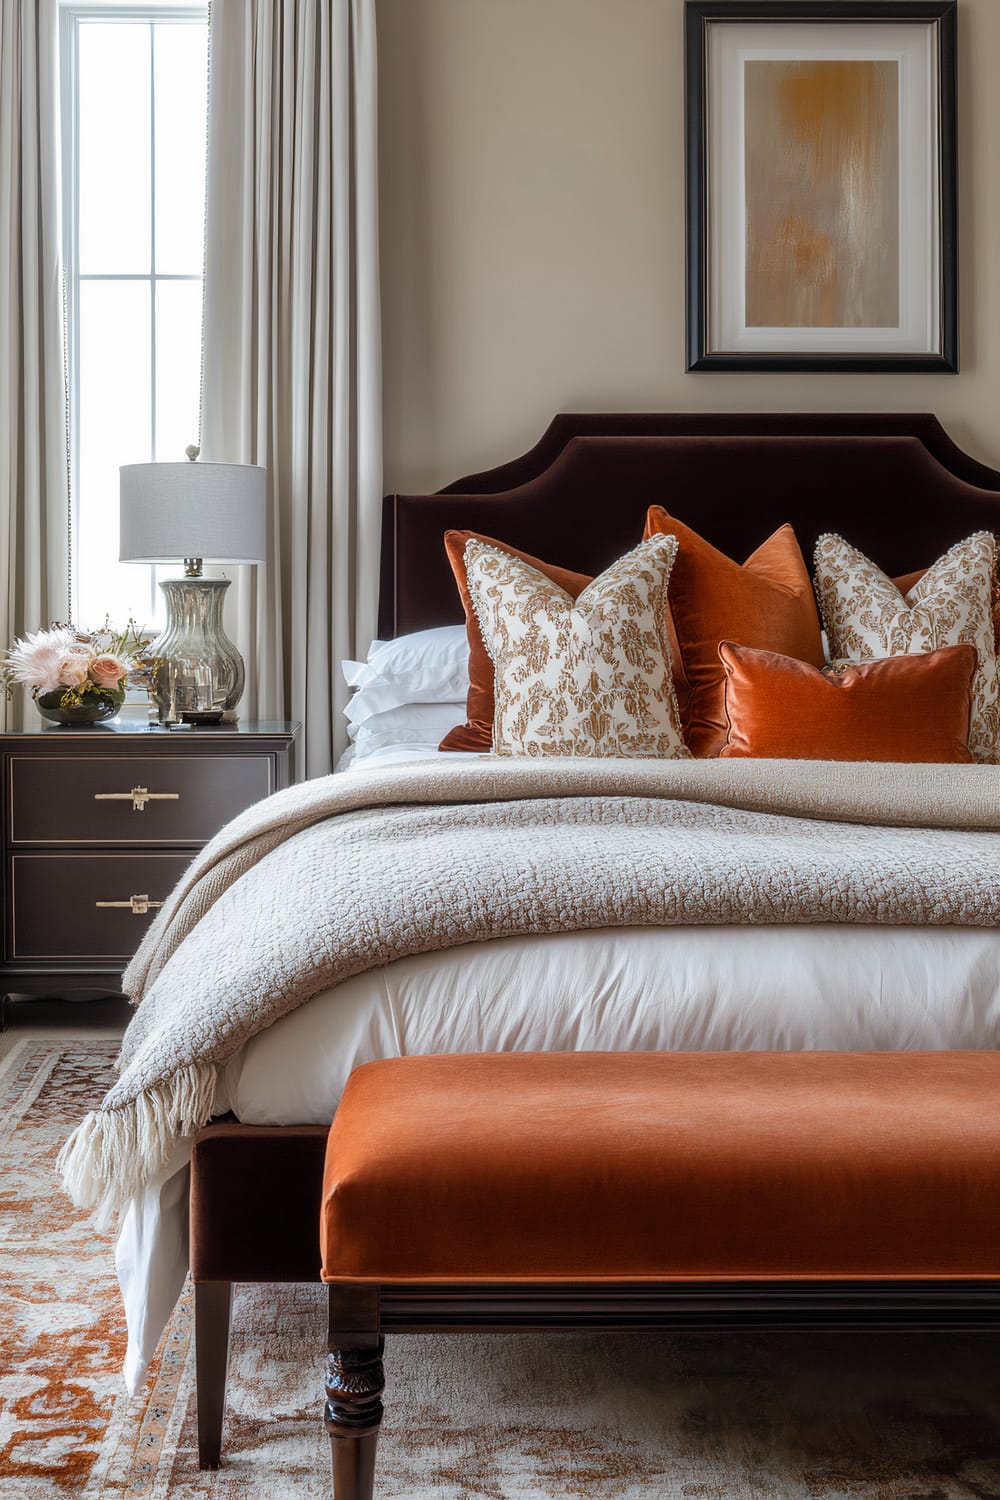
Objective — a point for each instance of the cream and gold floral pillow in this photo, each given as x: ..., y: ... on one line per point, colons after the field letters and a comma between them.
x: 590, y: 677
x: 866, y: 617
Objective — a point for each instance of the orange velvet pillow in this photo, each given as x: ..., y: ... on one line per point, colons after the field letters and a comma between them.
x: 477, y: 732
x: 903, y: 708
x: 767, y: 602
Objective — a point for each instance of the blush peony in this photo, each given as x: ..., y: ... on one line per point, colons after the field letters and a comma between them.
x: 73, y: 670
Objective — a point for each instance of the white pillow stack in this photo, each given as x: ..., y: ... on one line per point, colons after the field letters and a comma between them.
x: 410, y: 691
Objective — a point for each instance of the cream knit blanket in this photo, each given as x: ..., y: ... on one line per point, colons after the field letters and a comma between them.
x: 344, y: 874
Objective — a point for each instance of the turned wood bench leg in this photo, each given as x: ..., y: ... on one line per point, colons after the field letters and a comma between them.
x: 213, y: 1301
x: 354, y: 1383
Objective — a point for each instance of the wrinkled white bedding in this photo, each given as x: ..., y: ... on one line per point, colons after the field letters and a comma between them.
x: 393, y: 755
x: 813, y: 987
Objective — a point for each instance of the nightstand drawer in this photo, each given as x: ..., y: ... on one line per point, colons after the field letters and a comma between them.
x: 117, y: 799
x: 70, y: 906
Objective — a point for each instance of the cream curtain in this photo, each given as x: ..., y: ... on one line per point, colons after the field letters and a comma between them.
x: 34, y: 473
x: 292, y: 341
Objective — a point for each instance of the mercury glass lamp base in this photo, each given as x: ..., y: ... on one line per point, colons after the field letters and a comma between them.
x: 198, y: 676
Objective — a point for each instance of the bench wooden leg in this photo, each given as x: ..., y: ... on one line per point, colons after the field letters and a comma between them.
x: 213, y: 1301
x: 354, y: 1383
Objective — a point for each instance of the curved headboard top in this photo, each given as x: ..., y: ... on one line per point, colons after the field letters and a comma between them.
x: 895, y: 486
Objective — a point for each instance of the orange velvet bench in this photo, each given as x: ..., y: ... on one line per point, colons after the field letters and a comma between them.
x: 651, y: 1190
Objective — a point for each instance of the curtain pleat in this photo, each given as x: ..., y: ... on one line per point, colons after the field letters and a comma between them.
x: 34, y: 473
x: 292, y: 375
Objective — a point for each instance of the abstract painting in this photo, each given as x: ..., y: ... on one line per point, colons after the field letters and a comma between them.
x: 821, y: 186
x: 829, y: 256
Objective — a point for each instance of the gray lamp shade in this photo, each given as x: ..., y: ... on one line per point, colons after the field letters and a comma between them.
x: 212, y: 511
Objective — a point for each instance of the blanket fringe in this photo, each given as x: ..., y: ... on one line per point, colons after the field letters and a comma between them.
x: 114, y: 1153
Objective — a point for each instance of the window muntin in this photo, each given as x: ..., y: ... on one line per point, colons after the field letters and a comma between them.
x: 134, y: 114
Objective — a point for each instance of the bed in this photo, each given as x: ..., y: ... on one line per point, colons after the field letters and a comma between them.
x: 899, y: 489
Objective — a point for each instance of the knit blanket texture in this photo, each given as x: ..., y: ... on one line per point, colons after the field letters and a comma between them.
x: 333, y: 877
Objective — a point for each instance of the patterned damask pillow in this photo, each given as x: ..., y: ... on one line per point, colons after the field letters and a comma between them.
x: 590, y: 677
x: 866, y: 617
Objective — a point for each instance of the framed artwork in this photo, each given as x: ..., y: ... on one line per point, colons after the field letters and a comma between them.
x: 821, y: 185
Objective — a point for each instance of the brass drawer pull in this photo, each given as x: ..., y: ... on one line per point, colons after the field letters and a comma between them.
x: 137, y: 905
x: 138, y: 797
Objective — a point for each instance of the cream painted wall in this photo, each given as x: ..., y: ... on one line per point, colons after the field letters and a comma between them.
x: 532, y: 233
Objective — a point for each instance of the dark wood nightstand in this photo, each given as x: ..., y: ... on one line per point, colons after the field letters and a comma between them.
x: 99, y: 823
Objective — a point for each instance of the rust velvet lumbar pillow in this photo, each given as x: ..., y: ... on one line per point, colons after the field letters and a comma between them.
x: 766, y: 602
x: 902, y: 708
x: 477, y: 732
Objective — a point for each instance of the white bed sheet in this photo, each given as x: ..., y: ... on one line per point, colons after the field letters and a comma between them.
x: 682, y: 988
x: 391, y: 755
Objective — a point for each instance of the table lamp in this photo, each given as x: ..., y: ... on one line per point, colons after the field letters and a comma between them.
x: 196, y: 512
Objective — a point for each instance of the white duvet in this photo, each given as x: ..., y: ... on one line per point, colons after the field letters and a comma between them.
x: 699, y: 988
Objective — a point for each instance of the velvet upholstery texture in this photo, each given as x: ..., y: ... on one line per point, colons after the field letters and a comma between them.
x: 605, y: 1166
x: 255, y: 1197
x: 477, y: 732
x: 866, y: 617
x: 903, y: 708
x: 767, y: 602
x: 894, y: 483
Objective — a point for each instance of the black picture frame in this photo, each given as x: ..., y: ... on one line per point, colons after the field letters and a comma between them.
x: 699, y: 17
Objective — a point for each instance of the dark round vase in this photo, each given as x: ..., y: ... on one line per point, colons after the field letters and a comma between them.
x: 97, y: 708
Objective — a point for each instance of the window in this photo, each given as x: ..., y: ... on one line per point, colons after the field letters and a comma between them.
x: 134, y: 81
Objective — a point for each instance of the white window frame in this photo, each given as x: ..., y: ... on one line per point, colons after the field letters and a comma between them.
x: 71, y: 14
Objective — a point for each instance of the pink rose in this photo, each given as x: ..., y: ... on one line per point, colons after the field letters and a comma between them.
x: 73, y: 670
x: 107, y: 671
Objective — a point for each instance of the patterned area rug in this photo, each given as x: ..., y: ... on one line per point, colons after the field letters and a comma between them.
x: 473, y: 1418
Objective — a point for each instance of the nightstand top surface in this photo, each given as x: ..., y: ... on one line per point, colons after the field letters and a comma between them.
x: 140, y: 730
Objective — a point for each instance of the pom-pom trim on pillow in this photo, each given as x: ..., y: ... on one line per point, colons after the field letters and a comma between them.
x: 867, y: 617
x: 584, y: 677
x: 477, y: 731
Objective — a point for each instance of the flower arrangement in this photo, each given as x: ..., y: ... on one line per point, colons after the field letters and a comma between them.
x: 75, y: 675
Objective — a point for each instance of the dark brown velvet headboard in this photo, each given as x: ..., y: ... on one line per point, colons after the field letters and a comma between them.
x: 894, y: 485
